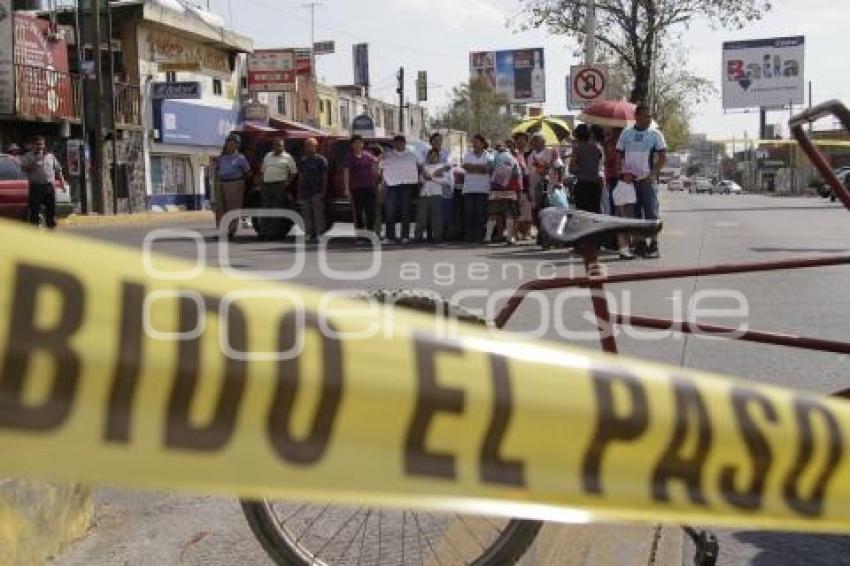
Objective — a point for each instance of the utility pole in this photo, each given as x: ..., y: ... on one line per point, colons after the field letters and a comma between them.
x: 99, y: 204
x: 400, y: 92
x: 112, y: 116
x: 84, y: 192
x: 811, y: 125
x: 312, y: 6
x: 590, y: 31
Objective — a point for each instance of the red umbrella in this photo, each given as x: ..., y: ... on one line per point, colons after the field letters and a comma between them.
x: 609, y: 113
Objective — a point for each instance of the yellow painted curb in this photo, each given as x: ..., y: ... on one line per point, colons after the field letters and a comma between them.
x: 39, y: 520
x: 140, y: 219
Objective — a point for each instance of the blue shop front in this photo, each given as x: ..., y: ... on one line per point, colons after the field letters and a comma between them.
x: 188, y: 134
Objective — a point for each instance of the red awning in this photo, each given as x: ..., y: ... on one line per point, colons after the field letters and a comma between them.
x: 292, y: 126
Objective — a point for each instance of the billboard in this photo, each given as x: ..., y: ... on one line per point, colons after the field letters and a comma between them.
x: 271, y: 70
x: 7, y: 59
x: 763, y: 73
x: 44, y: 88
x: 187, y: 123
x: 324, y: 48
x: 519, y: 74
x: 361, y: 64
x: 303, y: 61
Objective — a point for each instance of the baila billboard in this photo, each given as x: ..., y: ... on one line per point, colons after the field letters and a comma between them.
x: 763, y: 73
x: 519, y: 74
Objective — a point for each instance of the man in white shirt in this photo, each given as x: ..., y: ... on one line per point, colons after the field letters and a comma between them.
x: 643, y: 154
x: 401, y: 170
x: 278, y: 172
x: 478, y: 166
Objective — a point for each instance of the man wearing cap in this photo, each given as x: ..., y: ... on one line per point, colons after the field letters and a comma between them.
x: 401, y: 170
x: 14, y: 151
x: 233, y: 173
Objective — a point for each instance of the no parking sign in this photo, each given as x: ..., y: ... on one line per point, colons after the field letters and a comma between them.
x: 588, y: 84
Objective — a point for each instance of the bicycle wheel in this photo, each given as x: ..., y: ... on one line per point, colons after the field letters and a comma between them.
x: 300, y: 534
x: 296, y: 534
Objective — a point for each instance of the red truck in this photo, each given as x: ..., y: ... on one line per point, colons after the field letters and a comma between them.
x: 255, y: 145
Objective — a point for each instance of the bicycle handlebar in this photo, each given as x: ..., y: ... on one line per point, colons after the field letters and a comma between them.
x: 830, y: 108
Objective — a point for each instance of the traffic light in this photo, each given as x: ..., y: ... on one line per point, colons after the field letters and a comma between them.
x: 400, y: 77
x: 422, y: 86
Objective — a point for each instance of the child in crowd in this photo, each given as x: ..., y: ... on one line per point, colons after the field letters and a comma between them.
x: 625, y: 198
x: 437, y: 182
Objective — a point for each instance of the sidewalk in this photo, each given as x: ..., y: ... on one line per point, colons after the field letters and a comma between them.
x: 140, y: 219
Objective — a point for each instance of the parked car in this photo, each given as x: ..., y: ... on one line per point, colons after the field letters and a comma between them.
x: 701, y: 185
x: 676, y: 184
x: 727, y: 187
x: 14, y: 188
x: 843, y: 175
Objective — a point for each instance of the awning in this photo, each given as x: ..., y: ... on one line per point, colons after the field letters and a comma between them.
x: 291, y: 125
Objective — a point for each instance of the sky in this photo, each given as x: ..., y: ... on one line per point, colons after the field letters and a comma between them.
x: 437, y: 36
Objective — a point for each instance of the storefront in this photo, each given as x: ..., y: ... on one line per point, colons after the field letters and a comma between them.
x: 189, y: 134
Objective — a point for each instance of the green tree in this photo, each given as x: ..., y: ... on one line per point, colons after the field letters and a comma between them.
x: 476, y: 108
x: 636, y: 30
x: 676, y: 91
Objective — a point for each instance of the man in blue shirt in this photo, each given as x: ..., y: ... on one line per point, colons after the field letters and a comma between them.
x: 643, y: 153
x: 233, y: 173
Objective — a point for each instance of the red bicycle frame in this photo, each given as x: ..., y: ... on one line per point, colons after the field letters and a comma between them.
x: 606, y: 319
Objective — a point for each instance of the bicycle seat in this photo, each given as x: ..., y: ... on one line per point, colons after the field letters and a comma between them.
x: 576, y: 226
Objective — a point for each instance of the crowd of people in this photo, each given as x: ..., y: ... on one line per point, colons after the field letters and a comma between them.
x: 493, y: 194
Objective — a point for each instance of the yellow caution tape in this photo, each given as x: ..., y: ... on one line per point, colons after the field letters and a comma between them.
x: 377, y: 408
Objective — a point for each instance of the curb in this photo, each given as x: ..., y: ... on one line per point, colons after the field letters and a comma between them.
x: 140, y: 219
x: 40, y: 520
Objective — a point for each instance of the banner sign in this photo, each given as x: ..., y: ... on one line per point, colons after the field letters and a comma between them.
x: 324, y: 48
x: 43, y: 85
x: 763, y: 73
x: 518, y: 74
x: 256, y: 113
x: 361, y: 64
x: 174, y: 53
x: 271, y: 70
x: 7, y: 59
x: 181, y: 90
x: 187, y: 123
x: 303, y: 62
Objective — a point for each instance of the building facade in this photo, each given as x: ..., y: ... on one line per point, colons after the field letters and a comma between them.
x: 189, y: 69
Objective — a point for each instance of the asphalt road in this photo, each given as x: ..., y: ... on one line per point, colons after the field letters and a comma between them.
x: 142, y: 528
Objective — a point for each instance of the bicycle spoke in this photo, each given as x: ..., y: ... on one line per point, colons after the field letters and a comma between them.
x: 363, y: 538
x: 448, y: 539
x: 472, y: 534
x: 336, y: 534
x: 344, y: 552
x: 419, y: 541
x: 403, y: 522
x: 427, y: 540
x: 380, y: 520
x: 313, y: 522
x: 492, y: 526
x: 294, y: 513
